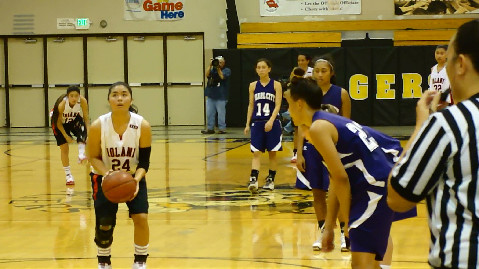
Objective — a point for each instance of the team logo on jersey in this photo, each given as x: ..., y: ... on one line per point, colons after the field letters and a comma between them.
x: 271, y: 5
x: 284, y: 199
x: 132, y: 126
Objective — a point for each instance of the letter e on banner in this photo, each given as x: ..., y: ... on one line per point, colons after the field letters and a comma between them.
x: 383, y: 90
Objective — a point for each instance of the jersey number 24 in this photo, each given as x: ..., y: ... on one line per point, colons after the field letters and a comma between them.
x: 116, y: 165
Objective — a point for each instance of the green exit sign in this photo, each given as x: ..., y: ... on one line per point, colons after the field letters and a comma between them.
x: 82, y: 23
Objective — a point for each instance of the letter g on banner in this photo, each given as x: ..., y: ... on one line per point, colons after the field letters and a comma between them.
x: 358, y: 87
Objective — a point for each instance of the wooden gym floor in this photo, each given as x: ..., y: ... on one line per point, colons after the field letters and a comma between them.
x: 201, y: 215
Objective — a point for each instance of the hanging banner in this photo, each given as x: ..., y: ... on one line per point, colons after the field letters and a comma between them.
x: 150, y: 10
x: 435, y: 7
x: 308, y: 7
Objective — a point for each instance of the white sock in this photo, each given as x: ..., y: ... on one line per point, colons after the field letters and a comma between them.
x: 67, y: 170
x: 81, y: 149
x: 104, y: 251
x: 385, y: 266
x: 141, y: 250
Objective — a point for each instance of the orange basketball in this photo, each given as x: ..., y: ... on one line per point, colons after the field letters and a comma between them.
x: 119, y: 186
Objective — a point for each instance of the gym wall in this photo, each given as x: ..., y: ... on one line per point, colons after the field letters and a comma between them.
x: 384, y: 83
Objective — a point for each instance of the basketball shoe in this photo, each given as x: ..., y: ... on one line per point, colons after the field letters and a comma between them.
x: 318, y: 243
x: 70, y: 180
x: 295, y: 158
x: 269, y: 184
x: 82, y: 158
x: 139, y: 265
x: 345, y: 244
x: 104, y: 266
x: 253, y: 185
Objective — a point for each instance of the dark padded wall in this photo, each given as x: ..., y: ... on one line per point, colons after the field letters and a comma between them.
x: 348, y: 61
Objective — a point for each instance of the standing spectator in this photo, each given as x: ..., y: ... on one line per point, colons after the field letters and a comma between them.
x: 217, y: 92
x: 441, y: 160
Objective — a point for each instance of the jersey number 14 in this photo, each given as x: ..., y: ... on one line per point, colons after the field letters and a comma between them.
x: 265, y: 110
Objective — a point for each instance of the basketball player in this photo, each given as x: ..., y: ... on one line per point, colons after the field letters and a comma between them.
x: 265, y: 97
x: 69, y: 117
x: 358, y: 168
x: 438, y: 79
x: 304, y: 61
x: 121, y: 130
x: 310, y: 166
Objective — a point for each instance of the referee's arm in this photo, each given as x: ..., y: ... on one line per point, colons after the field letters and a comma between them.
x: 396, y: 202
x: 405, y: 199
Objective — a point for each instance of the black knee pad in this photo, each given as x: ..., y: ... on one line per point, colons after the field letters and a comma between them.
x: 104, y: 238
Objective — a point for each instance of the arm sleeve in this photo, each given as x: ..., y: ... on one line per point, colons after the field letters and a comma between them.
x: 423, y: 165
x: 144, y: 158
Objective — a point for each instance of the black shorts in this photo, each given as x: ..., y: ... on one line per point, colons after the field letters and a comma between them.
x: 76, y: 127
x: 105, y: 208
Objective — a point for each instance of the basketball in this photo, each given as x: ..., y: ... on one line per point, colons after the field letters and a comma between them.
x: 119, y: 186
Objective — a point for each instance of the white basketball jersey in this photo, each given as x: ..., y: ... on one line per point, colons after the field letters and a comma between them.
x: 309, y: 72
x: 70, y: 113
x: 120, y: 152
x: 439, y: 80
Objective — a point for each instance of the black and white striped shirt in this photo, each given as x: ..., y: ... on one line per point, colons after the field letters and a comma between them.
x: 442, y: 166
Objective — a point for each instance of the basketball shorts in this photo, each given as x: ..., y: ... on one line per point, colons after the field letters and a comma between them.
x: 370, y: 223
x: 105, y: 208
x: 261, y: 140
x: 316, y: 174
x: 75, y: 128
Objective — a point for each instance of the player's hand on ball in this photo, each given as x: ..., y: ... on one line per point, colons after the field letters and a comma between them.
x: 328, y: 240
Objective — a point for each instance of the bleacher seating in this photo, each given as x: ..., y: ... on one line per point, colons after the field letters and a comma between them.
x: 328, y: 33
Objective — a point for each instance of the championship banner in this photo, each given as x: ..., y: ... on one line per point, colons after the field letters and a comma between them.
x: 308, y: 7
x: 435, y: 7
x: 150, y: 10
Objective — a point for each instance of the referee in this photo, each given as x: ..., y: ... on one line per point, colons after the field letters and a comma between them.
x: 441, y: 160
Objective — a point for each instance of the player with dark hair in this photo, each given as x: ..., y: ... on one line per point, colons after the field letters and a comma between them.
x: 309, y: 164
x: 69, y: 116
x: 438, y: 79
x: 265, y: 97
x: 120, y: 140
x: 304, y: 60
x: 358, y: 166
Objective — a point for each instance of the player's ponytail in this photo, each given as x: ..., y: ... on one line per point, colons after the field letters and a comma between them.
x: 133, y: 109
x: 298, y: 72
x: 306, y: 89
x: 55, y: 112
